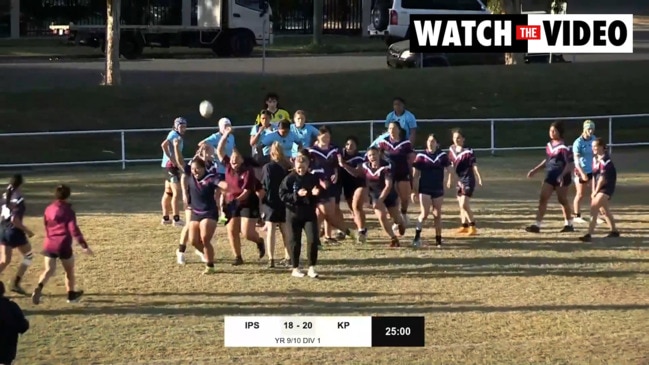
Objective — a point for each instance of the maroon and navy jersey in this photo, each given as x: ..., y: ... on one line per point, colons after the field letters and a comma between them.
x: 558, y: 155
x: 201, y: 192
x: 397, y: 153
x: 463, y: 161
x: 354, y: 160
x: 604, y: 168
x: 14, y: 208
x: 375, y: 177
x: 431, y: 166
x: 325, y: 159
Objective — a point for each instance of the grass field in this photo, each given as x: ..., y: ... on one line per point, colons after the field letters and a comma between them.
x: 282, y: 45
x: 461, y: 92
x: 505, y: 296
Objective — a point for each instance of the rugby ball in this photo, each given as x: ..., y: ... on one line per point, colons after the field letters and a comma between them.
x: 206, y: 109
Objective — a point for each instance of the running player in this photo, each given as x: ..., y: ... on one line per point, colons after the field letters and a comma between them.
x: 428, y: 186
x: 464, y: 162
x: 299, y: 191
x: 400, y: 154
x: 354, y: 188
x: 204, y: 153
x: 201, y: 185
x: 377, y: 174
x: 14, y: 234
x: 275, y: 111
x: 605, y: 178
x: 60, y: 230
x: 558, y: 165
x: 274, y: 211
x: 582, y: 150
x: 325, y: 158
x: 306, y: 133
x: 242, y: 201
x: 172, y: 184
x: 213, y: 141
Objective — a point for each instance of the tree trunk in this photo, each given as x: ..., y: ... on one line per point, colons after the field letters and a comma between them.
x: 318, y: 6
x: 513, y: 7
x: 113, y: 77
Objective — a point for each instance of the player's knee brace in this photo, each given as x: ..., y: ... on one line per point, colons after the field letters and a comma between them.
x: 28, y: 258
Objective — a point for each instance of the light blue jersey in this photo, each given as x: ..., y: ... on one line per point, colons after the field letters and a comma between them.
x: 375, y: 143
x: 171, y: 137
x: 583, y: 150
x: 213, y: 141
x: 407, y: 121
x: 253, y: 132
x: 286, y: 142
x: 306, y: 135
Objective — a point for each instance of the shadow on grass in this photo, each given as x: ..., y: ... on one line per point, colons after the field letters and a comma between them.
x: 319, y: 308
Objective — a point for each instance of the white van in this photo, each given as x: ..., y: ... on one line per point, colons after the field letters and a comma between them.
x: 390, y: 18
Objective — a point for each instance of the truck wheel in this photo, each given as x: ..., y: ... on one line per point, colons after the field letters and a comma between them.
x: 221, y: 47
x: 130, y: 48
x: 242, y: 44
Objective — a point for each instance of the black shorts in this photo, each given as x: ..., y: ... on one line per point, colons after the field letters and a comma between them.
x: 578, y: 179
x: 173, y: 174
x: 61, y: 253
x: 273, y: 214
x: 220, y: 176
x: 433, y: 194
x: 329, y: 193
x: 13, y: 237
x: 608, y: 191
x: 349, y: 187
x: 199, y: 216
x: 465, y: 188
x: 400, y: 176
x: 248, y: 210
x: 390, y: 201
x: 552, y: 177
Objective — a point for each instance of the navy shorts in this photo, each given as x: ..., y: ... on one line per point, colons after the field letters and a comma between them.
x: 173, y: 174
x: 273, y: 214
x: 63, y: 253
x: 390, y: 201
x: 220, y: 176
x: 199, y: 216
x: 578, y: 179
x: 433, y: 194
x: 465, y: 188
x: 329, y: 194
x: 13, y: 237
x: 552, y: 176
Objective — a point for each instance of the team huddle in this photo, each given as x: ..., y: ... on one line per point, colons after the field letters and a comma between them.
x: 296, y: 177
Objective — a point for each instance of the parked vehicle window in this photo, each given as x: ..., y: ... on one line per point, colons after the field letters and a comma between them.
x: 250, y: 4
x: 466, y: 5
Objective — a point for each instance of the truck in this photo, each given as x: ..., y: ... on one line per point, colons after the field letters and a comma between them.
x: 228, y: 27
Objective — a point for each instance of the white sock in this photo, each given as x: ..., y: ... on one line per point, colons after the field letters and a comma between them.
x: 419, y: 224
x: 568, y: 222
x: 538, y: 224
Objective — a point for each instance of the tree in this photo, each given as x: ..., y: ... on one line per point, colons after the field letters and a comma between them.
x: 113, y: 77
x: 513, y: 7
x: 318, y: 8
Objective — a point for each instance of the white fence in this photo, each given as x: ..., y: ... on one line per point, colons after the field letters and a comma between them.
x: 423, y: 127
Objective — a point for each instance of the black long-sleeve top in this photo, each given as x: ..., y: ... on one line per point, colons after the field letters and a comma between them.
x: 302, y: 206
x: 273, y: 175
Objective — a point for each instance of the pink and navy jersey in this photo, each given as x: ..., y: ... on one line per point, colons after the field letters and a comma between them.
x: 397, y: 153
x: 201, y: 192
x: 558, y: 155
x: 432, y: 166
x: 604, y: 168
x: 375, y: 177
x: 354, y: 160
x: 325, y: 159
x: 463, y: 161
